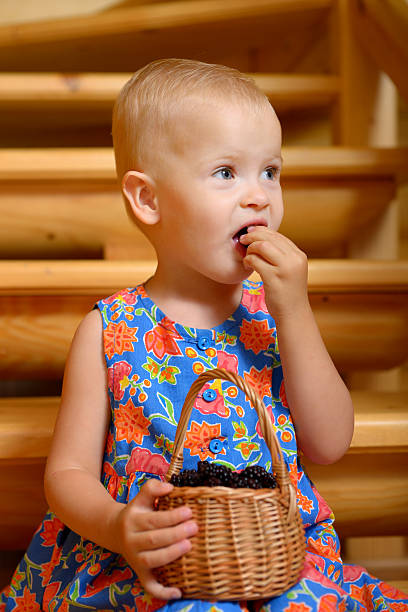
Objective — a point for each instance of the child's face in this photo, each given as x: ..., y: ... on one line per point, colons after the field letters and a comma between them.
x: 218, y: 174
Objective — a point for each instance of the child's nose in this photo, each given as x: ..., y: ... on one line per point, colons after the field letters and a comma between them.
x: 255, y: 198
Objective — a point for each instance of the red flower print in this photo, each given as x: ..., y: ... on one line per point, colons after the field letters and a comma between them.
x: 216, y: 406
x: 114, y: 480
x: 161, y: 340
x: 27, y: 603
x: 126, y: 296
x: 227, y: 362
x: 116, y: 374
x: 50, y: 531
x: 282, y: 395
x: 351, y: 573
x: 49, y: 593
x: 102, y: 581
x: 325, y: 512
x: 389, y: 591
x: 330, y: 603
x: 254, y: 300
x: 260, y: 380
x: 147, y: 603
x: 119, y: 338
x: 47, y: 568
x: 131, y: 424
x: 271, y: 415
x: 143, y: 460
x: 256, y: 335
x: 198, y: 439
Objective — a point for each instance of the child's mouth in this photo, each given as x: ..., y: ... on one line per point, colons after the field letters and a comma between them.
x: 241, y: 248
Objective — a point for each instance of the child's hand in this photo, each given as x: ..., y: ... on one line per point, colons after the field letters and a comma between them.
x: 148, y: 539
x: 282, y: 267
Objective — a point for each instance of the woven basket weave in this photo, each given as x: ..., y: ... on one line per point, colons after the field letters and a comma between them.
x: 250, y: 543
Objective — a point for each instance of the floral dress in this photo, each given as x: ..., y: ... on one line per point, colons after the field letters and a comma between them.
x: 152, y: 362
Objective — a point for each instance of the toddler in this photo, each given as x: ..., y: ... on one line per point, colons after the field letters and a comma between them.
x: 198, y: 155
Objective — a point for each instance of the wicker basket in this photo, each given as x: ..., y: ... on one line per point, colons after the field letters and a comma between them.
x: 250, y: 543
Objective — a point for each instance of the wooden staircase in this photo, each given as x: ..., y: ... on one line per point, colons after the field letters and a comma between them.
x: 65, y: 240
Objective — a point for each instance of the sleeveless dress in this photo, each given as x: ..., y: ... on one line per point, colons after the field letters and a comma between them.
x: 151, y: 363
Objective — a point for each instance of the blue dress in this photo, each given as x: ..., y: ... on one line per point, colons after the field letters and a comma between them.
x: 152, y: 362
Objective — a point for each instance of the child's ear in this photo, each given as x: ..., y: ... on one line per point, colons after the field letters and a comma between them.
x: 138, y: 189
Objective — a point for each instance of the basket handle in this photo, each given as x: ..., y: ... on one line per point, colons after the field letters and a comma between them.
x: 282, y: 476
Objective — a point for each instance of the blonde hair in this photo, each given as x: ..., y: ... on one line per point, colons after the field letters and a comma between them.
x: 147, y: 103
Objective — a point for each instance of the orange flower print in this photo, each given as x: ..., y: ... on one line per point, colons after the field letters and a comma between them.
x: 364, y: 595
x: 304, y: 502
x: 256, y: 335
x: 324, y: 550
x: 27, y: 603
x: 198, y: 439
x: 50, y: 531
x: 260, y: 380
x: 119, y: 338
x: 330, y: 603
x: 297, y: 607
x: 162, y: 338
x: 293, y: 475
x: 131, y: 424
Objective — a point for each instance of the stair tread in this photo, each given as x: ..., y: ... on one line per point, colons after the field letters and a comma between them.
x: 93, y: 164
x: 161, y: 16
x: 21, y: 92
x: 87, y: 277
x: 381, y: 424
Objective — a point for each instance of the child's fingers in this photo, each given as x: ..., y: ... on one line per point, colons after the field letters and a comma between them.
x: 159, y: 538
x: 150, y: 490
x: 150, y: 559
x: 156, y: 589
x: 263, y: 238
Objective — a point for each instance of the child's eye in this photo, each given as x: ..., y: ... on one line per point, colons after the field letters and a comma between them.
x: 271, y: 173
x: 225, y: 173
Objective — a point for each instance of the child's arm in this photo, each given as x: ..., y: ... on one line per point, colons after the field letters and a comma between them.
x: 319, y: 401
x: 146, y: 538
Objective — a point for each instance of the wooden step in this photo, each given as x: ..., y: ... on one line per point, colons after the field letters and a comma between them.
x: 115, y: 40
x: 368, y: 489
x: 89, y: 94
x: 363, y: 314
x: 381, y: 424
x: 76, y: 109
x: 48, y: 199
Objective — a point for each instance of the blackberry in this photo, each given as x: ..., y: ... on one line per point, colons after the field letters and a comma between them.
x: 176, y: 480
x: 216, y: 474
x: 213, y: 481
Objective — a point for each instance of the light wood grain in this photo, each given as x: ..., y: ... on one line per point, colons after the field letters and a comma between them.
x: 381, y: 424
x: 367, y: 489
x: 70, y: 220
x: 93, y: 277
x: 360, y: 331
x: 77, y: 93
x: 96, y: 164
x: 162, y: 16
x: 382, y: 27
